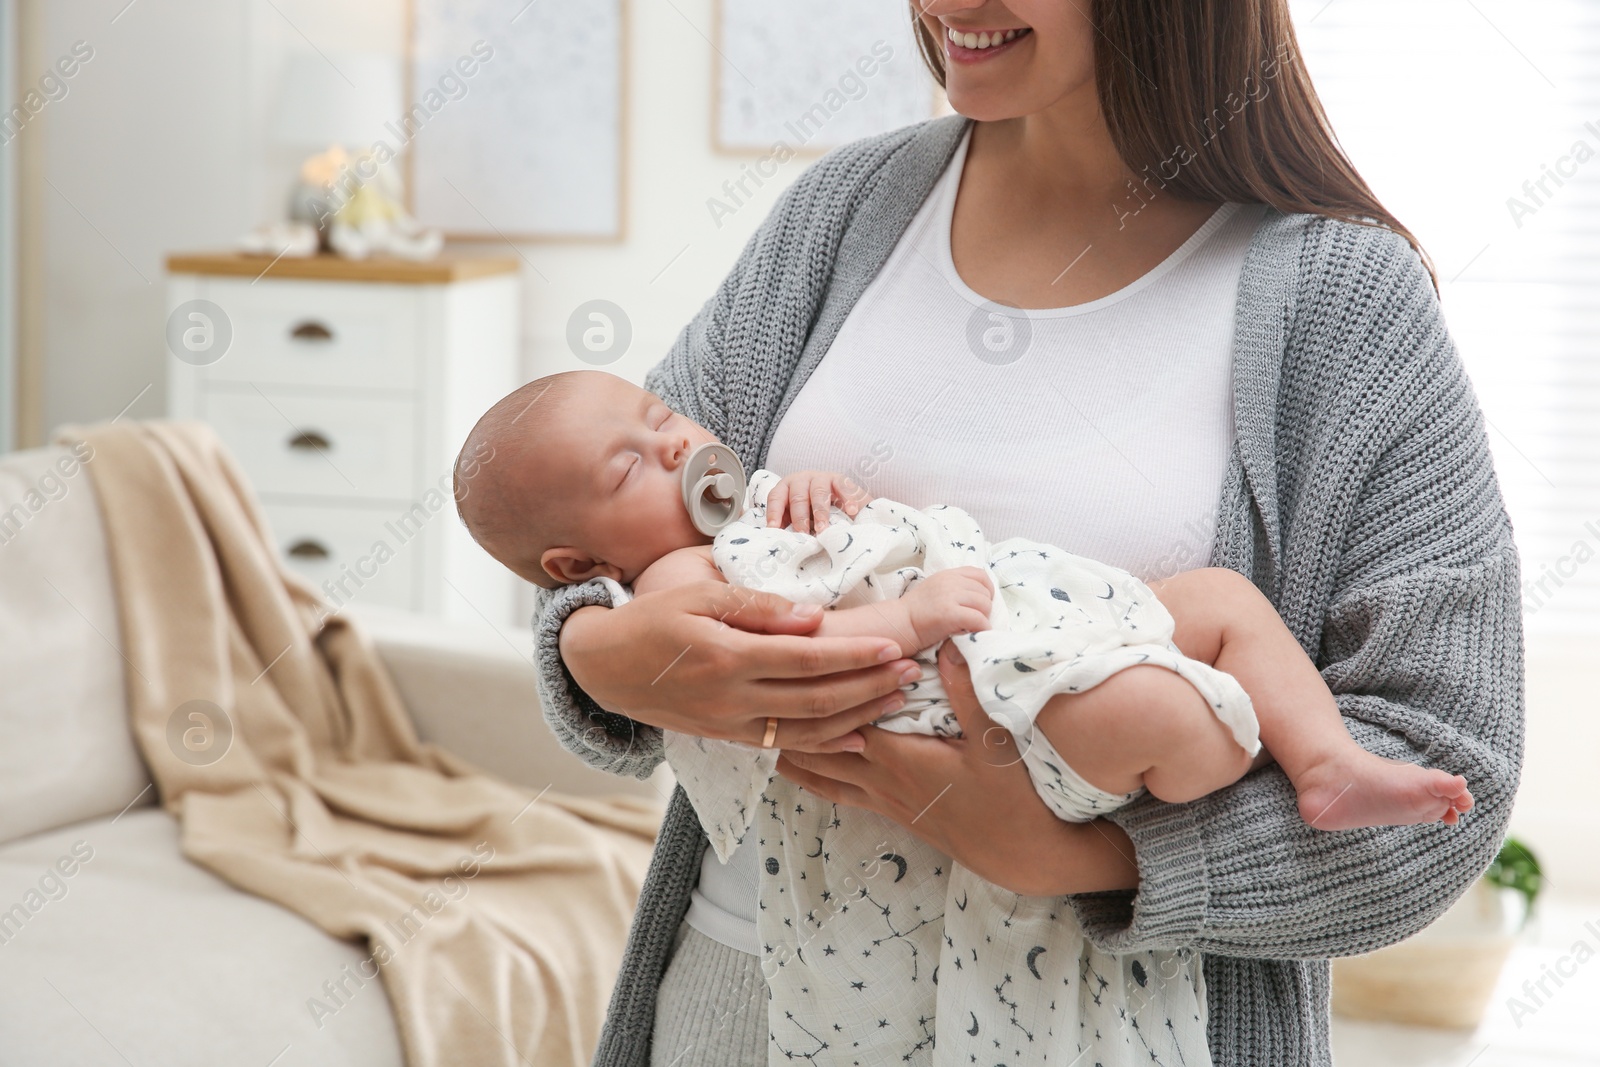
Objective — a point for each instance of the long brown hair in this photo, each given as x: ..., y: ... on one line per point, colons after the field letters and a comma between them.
x: 1216, y: 91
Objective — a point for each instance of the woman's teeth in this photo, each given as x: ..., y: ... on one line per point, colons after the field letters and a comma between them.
x: 982, y: 40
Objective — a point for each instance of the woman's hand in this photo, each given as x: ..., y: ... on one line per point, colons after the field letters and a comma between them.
x: 972, y: 799
x: 800, y: 496
x: 715, y: 660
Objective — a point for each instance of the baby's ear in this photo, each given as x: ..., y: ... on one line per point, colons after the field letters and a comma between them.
x: 570, y: 565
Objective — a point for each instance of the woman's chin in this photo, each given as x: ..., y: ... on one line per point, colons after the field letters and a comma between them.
x: 987, y: 104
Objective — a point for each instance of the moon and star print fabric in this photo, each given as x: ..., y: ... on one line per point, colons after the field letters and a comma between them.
x: 879, y: 953
x: 1059, y: 623
x: 868, y: 935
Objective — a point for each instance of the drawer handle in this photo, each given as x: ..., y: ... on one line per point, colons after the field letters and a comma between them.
x: 310, y: 441
x: 309, y: 549
x: 312, y: 332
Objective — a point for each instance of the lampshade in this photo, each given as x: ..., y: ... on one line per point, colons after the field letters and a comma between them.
x: 341, y: 98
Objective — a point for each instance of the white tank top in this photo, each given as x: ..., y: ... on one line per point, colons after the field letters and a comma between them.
x: 1103, y: 428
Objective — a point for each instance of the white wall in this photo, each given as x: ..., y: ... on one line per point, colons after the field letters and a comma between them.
x: 145, y: 152
x: 162, y: 144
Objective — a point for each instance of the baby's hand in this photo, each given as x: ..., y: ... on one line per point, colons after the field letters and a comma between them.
x: 806, y: 493
x: 956, y: 601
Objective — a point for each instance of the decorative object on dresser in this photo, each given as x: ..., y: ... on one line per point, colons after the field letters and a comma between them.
x: 345, y: 388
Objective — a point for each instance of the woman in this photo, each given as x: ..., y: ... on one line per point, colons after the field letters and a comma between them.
x: 1233, y: 356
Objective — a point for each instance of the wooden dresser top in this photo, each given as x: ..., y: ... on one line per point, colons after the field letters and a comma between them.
x: 448, y: 267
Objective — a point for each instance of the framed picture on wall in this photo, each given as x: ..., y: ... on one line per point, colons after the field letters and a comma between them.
x: 813, y: 74
x: 516, y: 118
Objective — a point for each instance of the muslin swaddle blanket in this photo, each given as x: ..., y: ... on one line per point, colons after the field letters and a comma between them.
x: 866, y: 943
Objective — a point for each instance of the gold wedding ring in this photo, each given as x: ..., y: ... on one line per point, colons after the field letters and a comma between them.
x: 772, y: 733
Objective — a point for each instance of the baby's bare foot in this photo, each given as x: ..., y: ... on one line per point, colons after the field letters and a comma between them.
x: 955, y: 601
x: 1356, y: 788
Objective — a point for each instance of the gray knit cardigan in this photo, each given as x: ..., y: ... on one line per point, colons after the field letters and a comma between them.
x: 1360, y: 497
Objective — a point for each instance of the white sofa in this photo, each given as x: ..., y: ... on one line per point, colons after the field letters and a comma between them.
x: 114, y: 948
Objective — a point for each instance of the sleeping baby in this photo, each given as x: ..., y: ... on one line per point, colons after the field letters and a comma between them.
x: 585, y: 480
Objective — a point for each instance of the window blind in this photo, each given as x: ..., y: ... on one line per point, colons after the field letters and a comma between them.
x: 1477, y: 124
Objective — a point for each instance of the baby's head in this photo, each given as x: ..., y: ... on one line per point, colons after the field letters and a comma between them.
x: 578, y: 475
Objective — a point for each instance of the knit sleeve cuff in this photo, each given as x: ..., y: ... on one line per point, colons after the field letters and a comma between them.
x: 601, y: 738
x: 1168, y: 909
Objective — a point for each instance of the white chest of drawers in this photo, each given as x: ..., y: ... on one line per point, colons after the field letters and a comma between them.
x: 345, y: 391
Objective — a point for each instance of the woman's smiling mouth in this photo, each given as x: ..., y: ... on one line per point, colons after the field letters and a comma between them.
x: 967, y: 46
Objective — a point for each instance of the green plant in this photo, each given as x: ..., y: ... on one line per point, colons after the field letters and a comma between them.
x: 1516, y: 867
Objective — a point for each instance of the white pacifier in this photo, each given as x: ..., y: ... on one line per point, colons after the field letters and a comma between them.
x: 713, y: 487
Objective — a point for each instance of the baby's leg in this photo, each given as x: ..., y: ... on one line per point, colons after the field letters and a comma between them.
x: 1145, y: 725
x: 1223, y: 619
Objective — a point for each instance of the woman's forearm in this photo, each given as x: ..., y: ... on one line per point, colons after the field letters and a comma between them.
x: 1099, y: 858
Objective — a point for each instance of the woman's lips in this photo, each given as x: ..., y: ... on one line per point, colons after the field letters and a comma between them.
x: 975, y: 46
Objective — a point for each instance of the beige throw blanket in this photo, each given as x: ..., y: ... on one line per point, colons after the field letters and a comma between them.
x: 497, y: 924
